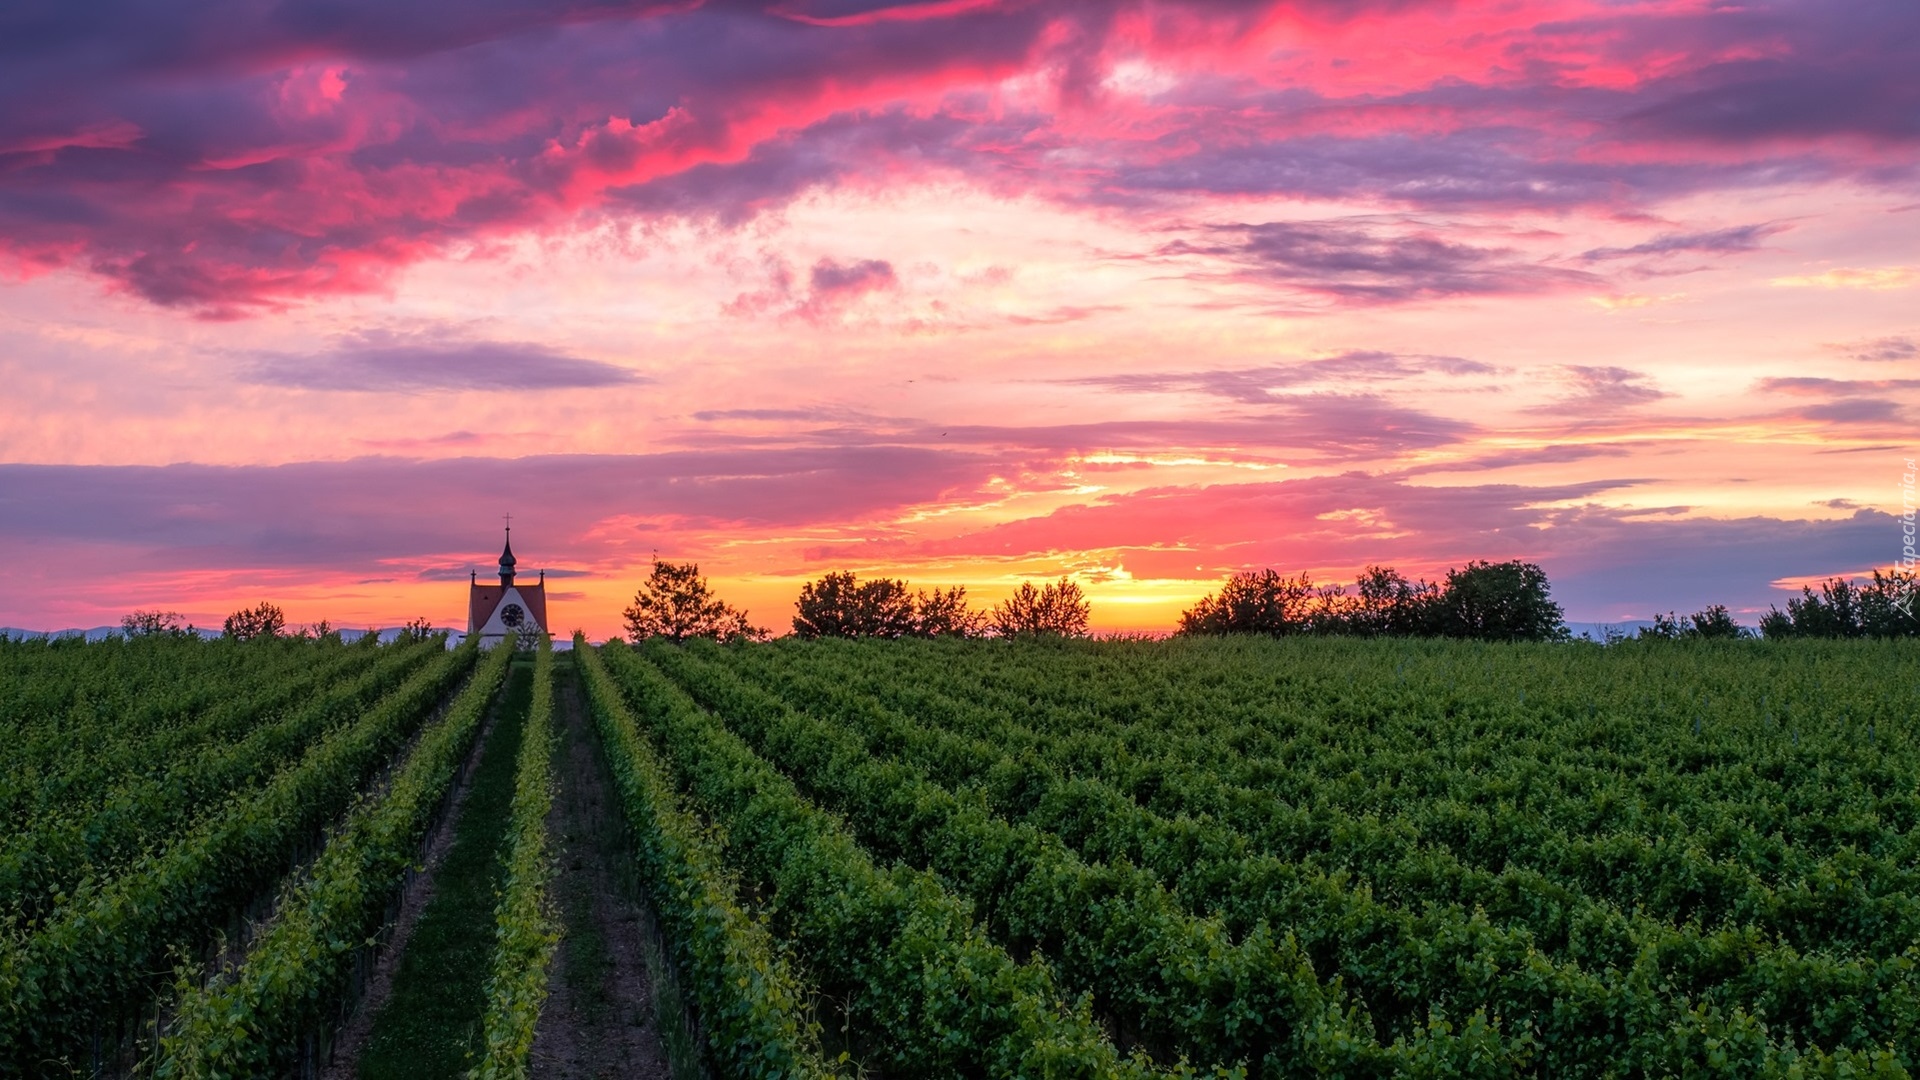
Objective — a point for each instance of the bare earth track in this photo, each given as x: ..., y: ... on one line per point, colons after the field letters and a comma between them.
x: 600, y: 1018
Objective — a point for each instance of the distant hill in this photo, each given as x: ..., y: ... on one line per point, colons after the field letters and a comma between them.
x: 1593, y: 630
x: 96, y: 634
x: 100, y: 633
x: 1597, y: 631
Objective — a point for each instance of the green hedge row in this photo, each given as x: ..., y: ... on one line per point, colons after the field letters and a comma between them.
x: 525, y: 927
x: 1176, y: 981
x: 100, y: 836
x: 108, y: 950
x: 753, y: 1009
x: 1762, y: 1007
x: 922, y: 987
x: 248, y: 1021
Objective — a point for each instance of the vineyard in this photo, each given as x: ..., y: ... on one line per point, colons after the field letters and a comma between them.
x: 1047, y: 858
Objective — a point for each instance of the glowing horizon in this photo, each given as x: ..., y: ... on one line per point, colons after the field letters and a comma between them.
x: 296, y: 300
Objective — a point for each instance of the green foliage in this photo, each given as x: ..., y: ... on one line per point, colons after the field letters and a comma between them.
x: 1508, y: 601
x: 429, y: 1024
x: 745, y: 993
x: 246, y: 1021
x: 1110, y: 929
x: 117, y: 812
x: 147, y: 623
x: 1712, y: 623
x: 1843, y: 609
x: 676, y: 603
x: 263, y: 620
x: 1493, y: 859
x: 1056, y: 608
x: 1258, y: 603
x: 103, y: 950
x: 921, y: 988
x: 944, y: 613
x: 1237, y: 855
x: 839, y: 605
x: 526, y: 928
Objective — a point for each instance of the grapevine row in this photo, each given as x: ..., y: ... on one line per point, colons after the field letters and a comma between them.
x: 246, y: 1022
x: 1424, y: 957
x: 929, y: 994
x: 1855, y: 899
x: 109, y: 733
x: 525, y: 929
x: 749, y: 1002
x: 1214, y: 868
x: 105, y: 953
x: 44, y: 862
x: 1176, y: 982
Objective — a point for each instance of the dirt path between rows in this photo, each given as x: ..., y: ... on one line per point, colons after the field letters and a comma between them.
x: 600, y: 1018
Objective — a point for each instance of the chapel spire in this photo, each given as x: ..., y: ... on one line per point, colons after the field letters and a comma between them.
x: 506, y: 556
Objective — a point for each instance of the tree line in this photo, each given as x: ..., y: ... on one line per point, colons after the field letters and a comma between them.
x: 1485, y: 601
x: 676, y: 603
x: 262, y: 620
x: 1505, y: 601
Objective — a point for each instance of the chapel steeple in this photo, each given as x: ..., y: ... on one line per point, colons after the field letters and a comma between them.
x: 508, y: 613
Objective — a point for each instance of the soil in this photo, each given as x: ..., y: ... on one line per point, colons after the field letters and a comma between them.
x: 602, y: 1016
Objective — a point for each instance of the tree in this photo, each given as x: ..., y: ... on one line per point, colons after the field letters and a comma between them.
x: 1887, y: 605
x: 1390, y: 605
x: 1714, y: 621
x: 261, y: 620
x: 675, y: 603
x: 946, y: 614
x: 839, y: 605
x: 151, y: 623
x: 1505, y: 601
x: 416, y: 630
x: 1843, y: 609
x: 1709, y: 622
x: 1056, y: 608
x: 1254, y: 602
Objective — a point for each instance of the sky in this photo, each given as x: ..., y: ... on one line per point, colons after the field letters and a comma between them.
x: 299, y: 298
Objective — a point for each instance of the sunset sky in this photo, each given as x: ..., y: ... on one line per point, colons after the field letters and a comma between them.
x: 297, y: 298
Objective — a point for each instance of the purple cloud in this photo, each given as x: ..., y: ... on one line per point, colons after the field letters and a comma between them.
x: 1602, y: 389
x: 1894, y: 347
x: 1258, y: 385
x: 1854, y: 411
x: 385, y: 362
x: 1717, y: 242
x: 239, y: 157
x: 1362, y: 261
x: 832, y: 287
x: 1328, y: 426
x: 349, y: 513
x: 1808, y: 385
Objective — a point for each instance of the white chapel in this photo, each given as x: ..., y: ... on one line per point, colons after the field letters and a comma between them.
x: 500, y: 612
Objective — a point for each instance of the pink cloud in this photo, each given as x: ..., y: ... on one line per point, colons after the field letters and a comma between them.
x: 237, y: 163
